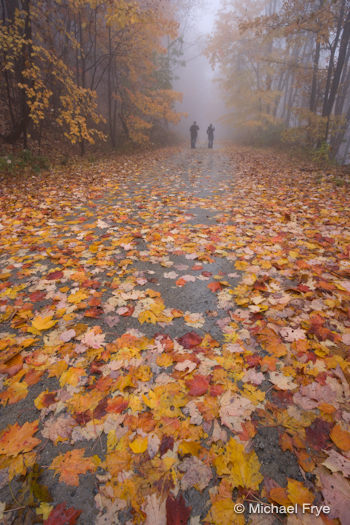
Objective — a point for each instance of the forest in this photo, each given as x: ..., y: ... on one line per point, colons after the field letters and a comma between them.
x: 86, y: 70
x: 174, y: 262
x: 93, y: 71
x: 285, y: 71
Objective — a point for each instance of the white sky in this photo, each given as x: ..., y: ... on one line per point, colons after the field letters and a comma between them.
x: 201, y: 96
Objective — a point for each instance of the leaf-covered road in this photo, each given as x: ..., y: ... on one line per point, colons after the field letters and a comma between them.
x: 174, y: 340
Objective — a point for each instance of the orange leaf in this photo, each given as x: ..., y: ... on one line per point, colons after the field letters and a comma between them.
x: 15, y: 439
x: 305, y: 461
x: 341, y: 438
x: 279, y: 495
x: 198, y: 385
x: 71, y: 464
x: 214, y: 287
x: 297, y: 493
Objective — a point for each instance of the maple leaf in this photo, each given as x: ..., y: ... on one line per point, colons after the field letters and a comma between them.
x: 16, y: 440
x: 73, y: 463
x: 234, y: 410
x: 59, y: 429
x: 43, y: 323
x: 190, y: 340
x: 242, y: 469
x: 176, y: 511
x: 197, y: 474
x: 62, y: 515
x: 297, y: 493
x: 290, y: 334
x: 155, y: 510
x: 67, y: 335
x: 281, y: 381
x: 337, y: 463
x: 340, y: 437
x: 58, y: 274
x: 222, y: 512
x: 139, y: 445
x: 94, y: 338
x: 215, y: 286
x: 198, y: 385
x: 336, y: 493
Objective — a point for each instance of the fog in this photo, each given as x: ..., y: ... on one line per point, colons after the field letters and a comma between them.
x: 202, y: 99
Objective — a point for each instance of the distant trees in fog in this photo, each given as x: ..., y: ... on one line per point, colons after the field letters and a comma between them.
x: 285, y: 71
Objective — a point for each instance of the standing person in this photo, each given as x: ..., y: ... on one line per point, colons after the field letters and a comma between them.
x: 210, y: 133
x: 194, y: 133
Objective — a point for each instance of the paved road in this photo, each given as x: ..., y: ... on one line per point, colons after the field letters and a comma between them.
x: 158, y: 300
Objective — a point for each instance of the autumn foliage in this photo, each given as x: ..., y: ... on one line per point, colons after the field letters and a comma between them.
x: 85, y: 70
x: 118, y: 400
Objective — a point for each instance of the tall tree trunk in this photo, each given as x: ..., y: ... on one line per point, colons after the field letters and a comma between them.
x: 313, y: 96
x: 344, y: 42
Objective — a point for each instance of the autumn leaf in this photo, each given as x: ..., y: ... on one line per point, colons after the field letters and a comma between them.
x: 176, y: 511
x: 190, y: 340
x: 43, y: 323
x: 16, y: 440
x: 340, y: 437
x: 242, y: 469
x: 73, y: 463
x: 222, y: 512
x: 198, y: 385
x: 139, y: 445
x: 298, y: 493
x: 155, y: 510
x: 62, y: 515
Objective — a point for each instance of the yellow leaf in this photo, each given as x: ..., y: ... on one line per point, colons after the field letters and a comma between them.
x: 164, y: 360
x: 242, y: 469
x: 222, y: 512
x: 297, y: 493
x: 151, y: 401
x: 44, y: 510
x: 135, y: 403
x: 71, y: 376
x: 139, y: 445
x: 189, y: 447
x: 77, y: 297
x: 43, y: 323
x: 111, y: 440
x: 147, y: 317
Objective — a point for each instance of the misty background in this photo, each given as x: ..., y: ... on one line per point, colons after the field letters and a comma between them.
x: 202, y: 97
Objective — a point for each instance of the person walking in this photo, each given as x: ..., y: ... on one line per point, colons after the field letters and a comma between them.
x: 210, y: 133
x: 194, y: 134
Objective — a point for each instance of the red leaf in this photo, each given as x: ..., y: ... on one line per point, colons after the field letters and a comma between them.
x: 166, y: 444
x: 214, y: 287
x: 216, y: 390
x: 165, y: 341
x: 93, y: 312
x: 198, y: 385
x: 317, y: 434
x: 117, y: 405
x: 176, y: 511
x: 190, y: 340
x: 37, y: 296
x: 303, y: 288
x: 206, y: 274
x: 55, y: 275
x: 61, y: 515
x: 253, y: 360
x: 129, y: 312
